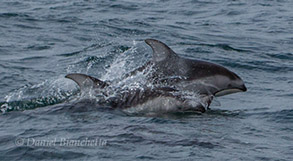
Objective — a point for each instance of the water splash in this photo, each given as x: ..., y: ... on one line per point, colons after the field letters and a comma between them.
x: 58, y: 90
x: 46, y: 93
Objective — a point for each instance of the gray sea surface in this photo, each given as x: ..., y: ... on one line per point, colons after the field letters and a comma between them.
x: 43, y: 116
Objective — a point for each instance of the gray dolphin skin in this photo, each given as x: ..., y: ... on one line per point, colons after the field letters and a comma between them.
x: 170, y: 75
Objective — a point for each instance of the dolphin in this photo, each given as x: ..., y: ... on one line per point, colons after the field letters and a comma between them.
x: 171, y: 76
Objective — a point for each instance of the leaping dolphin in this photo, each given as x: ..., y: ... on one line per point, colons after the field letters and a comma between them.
x: 170, y: 74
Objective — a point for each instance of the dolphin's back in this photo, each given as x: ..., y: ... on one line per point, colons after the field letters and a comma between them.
x: 199, y: 69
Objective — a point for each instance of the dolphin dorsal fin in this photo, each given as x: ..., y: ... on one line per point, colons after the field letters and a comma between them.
x: 161, y: 51
x: 85, y: 81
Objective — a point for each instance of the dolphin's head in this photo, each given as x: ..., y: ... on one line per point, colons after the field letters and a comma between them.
x: 211, y: 79
x: 228, y: 84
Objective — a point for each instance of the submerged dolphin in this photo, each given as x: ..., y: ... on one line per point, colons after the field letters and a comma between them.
x: 171, y: 75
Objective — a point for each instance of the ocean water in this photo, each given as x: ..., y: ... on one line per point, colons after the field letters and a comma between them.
x: 43, y: 116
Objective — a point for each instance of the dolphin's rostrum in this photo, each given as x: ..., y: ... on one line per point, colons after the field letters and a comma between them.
x: 170, y: 75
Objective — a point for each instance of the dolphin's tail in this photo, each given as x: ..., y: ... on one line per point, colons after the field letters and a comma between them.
x: 85, y: 81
